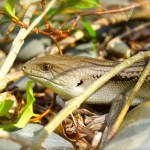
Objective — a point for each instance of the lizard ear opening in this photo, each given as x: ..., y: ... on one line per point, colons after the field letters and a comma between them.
x: 80, y: 83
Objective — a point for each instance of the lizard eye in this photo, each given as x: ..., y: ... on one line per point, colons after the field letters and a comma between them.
x: 45, y: 67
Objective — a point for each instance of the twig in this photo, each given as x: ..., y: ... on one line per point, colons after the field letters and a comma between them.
x: 9, y: 79
x: 37, y: 20
x: 66, y: 42
x: 11, y: 27
x: 78, y: 17
x: 24, y: 142
x: 125, y: 108
x: 75, y: 102
x: 36, y: 30
x: 114, y: 44
x: 18, y: 42
x: 48, y: 26
x: 51, y: 30
x: 105, y: 21
x: 138, y: 28
x: 57, y: 45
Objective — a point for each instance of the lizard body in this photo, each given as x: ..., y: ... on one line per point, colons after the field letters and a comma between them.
x: 69, y: 76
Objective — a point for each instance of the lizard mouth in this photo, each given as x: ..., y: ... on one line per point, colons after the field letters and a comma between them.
x: 58, y: 88
x: 45, y: 80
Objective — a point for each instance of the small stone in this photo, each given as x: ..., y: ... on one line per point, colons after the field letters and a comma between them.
x: 54, y: 141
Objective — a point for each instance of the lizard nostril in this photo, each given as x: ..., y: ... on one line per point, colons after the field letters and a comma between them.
x: 24, y: 67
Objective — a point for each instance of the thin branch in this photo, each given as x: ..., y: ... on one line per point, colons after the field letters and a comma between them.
x: 125, y: 108
x: 51, y: 30
x: 17, y: 43
x: 9, y: 79
x: 37, y: 20
x: 57, y: 45
x: 24, y: 142
x: 48, y: 26
x: 78, y: 17
x: 22, y: 24
x: 12, y: 26
x: 36, y: 30
x: 98, y: 24
x: 135, y: 29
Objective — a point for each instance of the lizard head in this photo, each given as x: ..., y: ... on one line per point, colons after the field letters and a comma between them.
x: 65, y: 75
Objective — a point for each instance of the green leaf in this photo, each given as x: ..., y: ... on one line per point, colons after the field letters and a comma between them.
x: 52, y: 12
x: 9, y: 6
x: 82, y: 4
x: 5, y: 107
x: 91, y: 32
x: 27, y: 112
